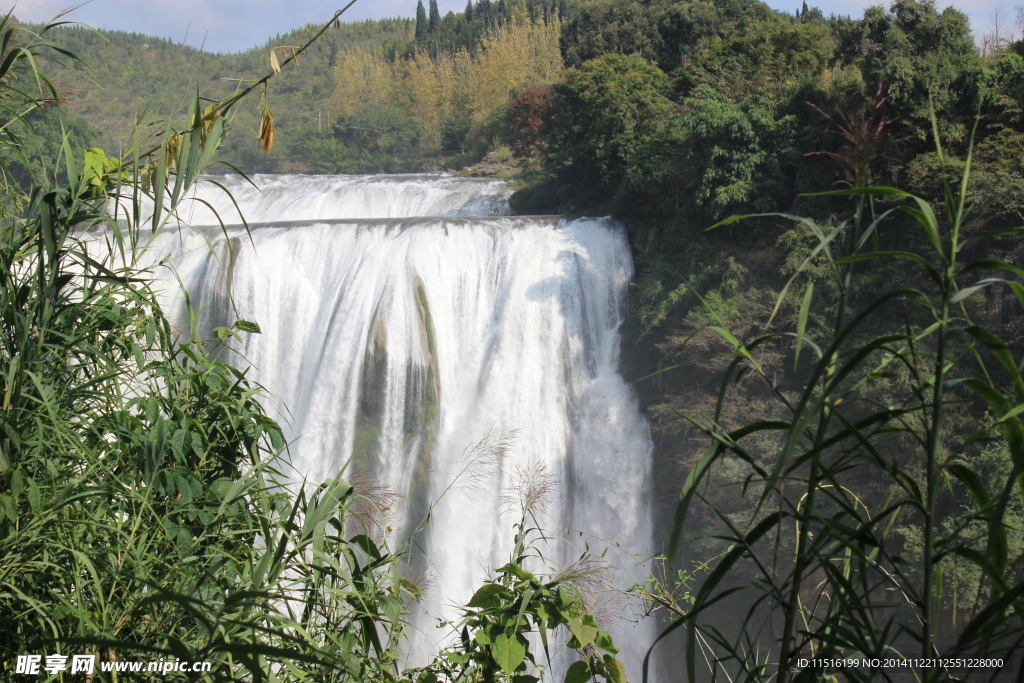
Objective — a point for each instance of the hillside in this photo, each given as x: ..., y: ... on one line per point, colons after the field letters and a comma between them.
x: 322, y: 122
x: 134, y: 76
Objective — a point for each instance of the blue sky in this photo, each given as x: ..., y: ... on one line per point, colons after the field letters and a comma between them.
x: 233, y: 25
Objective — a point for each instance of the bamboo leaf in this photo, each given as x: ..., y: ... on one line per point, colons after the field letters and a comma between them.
x: 990, y: 264
x: 860, y: 192
x: 927, y: 220
x: 801, y: 324
x: 1002, y: 354
x: 966, y: 292
x: 973, y: 482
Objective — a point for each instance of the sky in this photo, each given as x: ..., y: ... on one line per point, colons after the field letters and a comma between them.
x: 237, y: 25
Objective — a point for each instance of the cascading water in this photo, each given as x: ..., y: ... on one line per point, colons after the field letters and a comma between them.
x: 402, y: 317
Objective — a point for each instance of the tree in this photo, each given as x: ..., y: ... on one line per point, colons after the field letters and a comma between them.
x: 622, y: 26
x: 736, y: 154
x: 531, y: 113
x: 435, y: 18
x: 605, y: 112
x: 922, y: 55
x: 421, y: 21
x: 469, y: 11
x: 485, y: 12
x: 382, y: 135
x: 682, y: 27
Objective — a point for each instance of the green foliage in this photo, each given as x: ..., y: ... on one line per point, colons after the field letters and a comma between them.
x: 918, y: 52
x: 161, y: 77
x: 604, y: 27
x: 382, y: 137
x: 434, y: 20
x: 878, y: 508
x: 737, y: 156
x: 373, y: 139
x: 37, y: 142
x: 683, y: 27
x: 322, y: 153
x: 421, y: 21
x: 607, y: 110
x: 141, y: 512
x: 145, y: 511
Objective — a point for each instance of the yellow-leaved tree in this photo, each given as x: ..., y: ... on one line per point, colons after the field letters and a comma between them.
x: 435, y: 86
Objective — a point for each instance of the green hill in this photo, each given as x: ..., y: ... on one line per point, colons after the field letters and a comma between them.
x: 131, y: 76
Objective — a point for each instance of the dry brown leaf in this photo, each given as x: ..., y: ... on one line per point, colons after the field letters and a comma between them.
x: 275, y: 66
x: 266, y: 137
x: 210, y: 116
x: 174, y: 143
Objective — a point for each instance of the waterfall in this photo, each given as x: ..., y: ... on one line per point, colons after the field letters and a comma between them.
x: 404, y: 316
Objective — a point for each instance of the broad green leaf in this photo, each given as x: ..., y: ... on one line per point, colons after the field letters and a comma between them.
x: 578, y: 672
x: 616, y: 670
x: 34, y: 496
x: 489, y: 595
x: 367, y: 545
x: 603, y: 640
x: 584, y: 634
x: 517, y: 571
x: 508, y: 652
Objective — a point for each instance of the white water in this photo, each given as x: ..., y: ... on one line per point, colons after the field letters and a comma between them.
x: 310, y: 197
x: 395, y: 342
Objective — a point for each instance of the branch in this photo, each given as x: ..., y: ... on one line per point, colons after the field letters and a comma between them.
x: 128, y: 161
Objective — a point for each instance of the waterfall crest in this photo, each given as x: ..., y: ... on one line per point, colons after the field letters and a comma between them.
x: 402, y: 317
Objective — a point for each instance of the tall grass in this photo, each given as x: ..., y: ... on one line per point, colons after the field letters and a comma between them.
x: 142, y: 514
x: 873, y: 506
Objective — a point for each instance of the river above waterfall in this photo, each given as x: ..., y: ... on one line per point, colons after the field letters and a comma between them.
x: 404, y: 318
